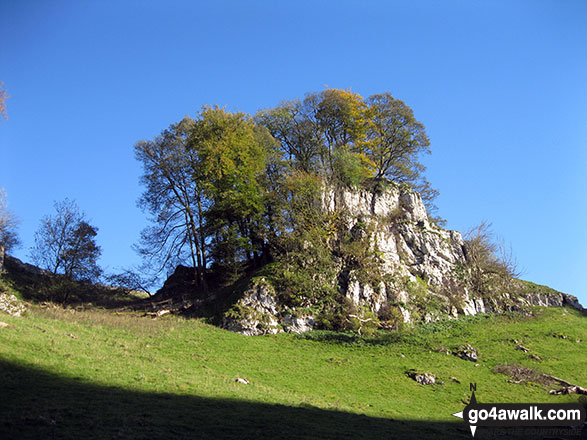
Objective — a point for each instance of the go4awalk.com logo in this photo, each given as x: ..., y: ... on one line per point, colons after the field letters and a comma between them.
x: 510, y: 415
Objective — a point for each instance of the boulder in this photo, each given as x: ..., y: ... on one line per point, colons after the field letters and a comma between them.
x: 467, y: 352
x: 422, y: 378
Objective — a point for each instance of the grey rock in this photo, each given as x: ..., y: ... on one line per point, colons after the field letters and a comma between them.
x: 522, y: 348
x: 422, y: 378
x: 298, y: 324
x: 11, y: 304
x: 410, y: 247
x: 257, y: 311
x: 467, y: 352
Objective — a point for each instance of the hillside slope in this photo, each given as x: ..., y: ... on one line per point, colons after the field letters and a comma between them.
x: 100, y: 374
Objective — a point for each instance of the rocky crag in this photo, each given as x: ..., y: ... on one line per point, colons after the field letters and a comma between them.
x: 421, y: 272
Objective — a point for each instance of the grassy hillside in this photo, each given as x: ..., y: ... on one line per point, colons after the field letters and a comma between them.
x: 101, y: 374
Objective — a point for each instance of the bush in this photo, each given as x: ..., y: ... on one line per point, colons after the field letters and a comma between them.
x: 490, y: 264
x: 390, y: 317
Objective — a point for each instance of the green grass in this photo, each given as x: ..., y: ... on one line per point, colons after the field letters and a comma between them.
x: 99, y: 374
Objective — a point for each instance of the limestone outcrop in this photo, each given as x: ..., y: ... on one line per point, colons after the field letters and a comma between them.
x: 419, y: 272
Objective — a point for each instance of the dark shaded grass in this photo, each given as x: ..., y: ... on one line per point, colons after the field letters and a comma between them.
x: 36, y: 404
x: 39, y: 405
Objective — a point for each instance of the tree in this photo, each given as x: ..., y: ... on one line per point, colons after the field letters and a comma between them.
x: 314, y: 131
x: 395, y: 139
x: 8, y: 224
x: 296, y: 131
x: 347, y: 139
x: 65, y: 244
x: 174, y: 197
x: 203, y: 188
x: 490, y: 263
x: 233, y: 153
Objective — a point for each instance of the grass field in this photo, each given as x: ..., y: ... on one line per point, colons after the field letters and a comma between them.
x: 100, y: 374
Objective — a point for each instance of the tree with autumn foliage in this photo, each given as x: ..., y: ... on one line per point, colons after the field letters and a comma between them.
x: 346, y: 138
x: 229, y: 191
x: 203, y: 189
x: 314, y: 131
x: 233, y: 153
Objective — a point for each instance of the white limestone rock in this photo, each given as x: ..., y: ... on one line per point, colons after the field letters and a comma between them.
x: 413, y: 251
x: 297, y: 324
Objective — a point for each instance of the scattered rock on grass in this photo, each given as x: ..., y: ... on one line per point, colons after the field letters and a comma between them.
x: 3, y: 324
x: 241, y: 380
x: 422, y: 378
x: 575, y: 389
x: 467, y: 352
x: 522, y: 348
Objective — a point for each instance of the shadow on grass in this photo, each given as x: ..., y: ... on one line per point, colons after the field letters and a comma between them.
x: 40, y: 405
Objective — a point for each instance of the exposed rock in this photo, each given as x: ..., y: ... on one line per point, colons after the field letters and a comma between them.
x: 10, y: 304
x: 522, y: 348
x: 575, y: 389
x: 298, y: 324
x: 418, y: 264
x: 467, y: 352
x: 422, y: 378
x: 241, y: 380
x: 4, y: 325
x: 552, y: 299
x: 256, y: 313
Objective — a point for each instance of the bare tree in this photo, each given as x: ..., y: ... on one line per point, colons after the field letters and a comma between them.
x: 65, y: 244
x: 8, y: 224
x: 490, y: 262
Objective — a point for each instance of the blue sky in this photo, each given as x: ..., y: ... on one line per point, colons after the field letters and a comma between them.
x: 501, y: 87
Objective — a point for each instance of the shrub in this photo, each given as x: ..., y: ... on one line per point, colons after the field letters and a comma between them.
x: 390, y: 317
x: 490, y: 264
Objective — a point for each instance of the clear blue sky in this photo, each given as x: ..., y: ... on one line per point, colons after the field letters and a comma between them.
x: 501, y: 87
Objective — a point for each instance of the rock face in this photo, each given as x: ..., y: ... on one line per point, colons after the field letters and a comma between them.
x: 419, y: 268
x: 11, y: 305
x: 256, y: 313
